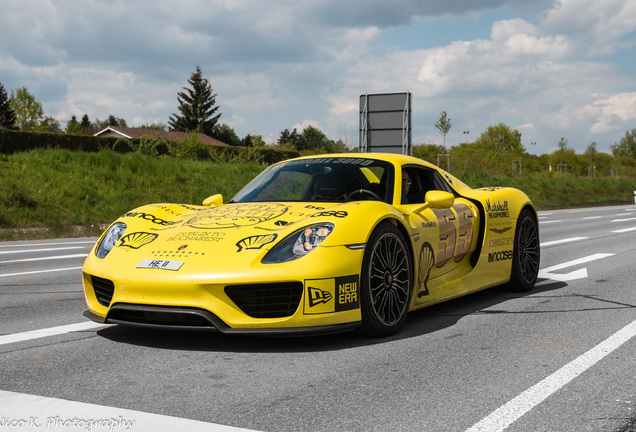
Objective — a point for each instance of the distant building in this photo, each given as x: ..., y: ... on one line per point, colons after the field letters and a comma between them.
x: 126, y: 132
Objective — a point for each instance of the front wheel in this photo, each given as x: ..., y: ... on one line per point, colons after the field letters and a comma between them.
x: 526, y: 254
x: 386, y: 282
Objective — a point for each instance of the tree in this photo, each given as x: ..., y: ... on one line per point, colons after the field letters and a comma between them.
x: 443, y: 125
x: 501, y: 139
x: 563, y: 145
x: 7, y: 116
x: 291, y: 139
x: 87, y: 126
x: 226, y: 134
x: 591, y: 151
x: 314, y: 139
x: 197, y: 107
x: 74, y: 127
x: 28, y: 111
x: 110, y: 121
x: 626, y: 146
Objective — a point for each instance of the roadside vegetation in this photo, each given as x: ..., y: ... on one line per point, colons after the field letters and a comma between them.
x: 58, y: 193
x: 56, y: 182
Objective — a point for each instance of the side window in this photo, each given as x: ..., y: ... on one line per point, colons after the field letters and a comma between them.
x: 422, y: 181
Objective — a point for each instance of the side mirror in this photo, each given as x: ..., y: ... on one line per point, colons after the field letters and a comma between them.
x: 436, y: 199
x: 213, y: 201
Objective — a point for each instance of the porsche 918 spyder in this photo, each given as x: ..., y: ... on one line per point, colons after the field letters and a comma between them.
x: 316, y: 244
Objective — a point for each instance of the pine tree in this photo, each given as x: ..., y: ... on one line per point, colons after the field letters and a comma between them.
x: 7, y: 116
x: 197, y: 107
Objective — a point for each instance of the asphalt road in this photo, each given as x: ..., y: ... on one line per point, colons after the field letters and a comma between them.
x: 561, y: 358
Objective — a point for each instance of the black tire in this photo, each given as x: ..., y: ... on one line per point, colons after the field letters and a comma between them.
x: 526, y: 254
x: 386, y: 282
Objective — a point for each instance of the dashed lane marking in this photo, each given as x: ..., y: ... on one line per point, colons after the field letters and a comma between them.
x: 45, y: 258
x: 40, y: 271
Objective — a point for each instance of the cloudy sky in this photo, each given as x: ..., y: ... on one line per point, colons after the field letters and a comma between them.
x: 549, y: 68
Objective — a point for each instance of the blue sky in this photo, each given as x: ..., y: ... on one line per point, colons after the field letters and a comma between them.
x: 550, y: 69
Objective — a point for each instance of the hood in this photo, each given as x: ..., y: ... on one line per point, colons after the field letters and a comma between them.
x: 227, y: 228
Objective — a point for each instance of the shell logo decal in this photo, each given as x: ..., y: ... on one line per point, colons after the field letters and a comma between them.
x: 136, y: 240
x: 255, y: 242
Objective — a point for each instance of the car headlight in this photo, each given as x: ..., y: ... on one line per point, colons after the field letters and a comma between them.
x: 298, y: 244
x: 110, y: 239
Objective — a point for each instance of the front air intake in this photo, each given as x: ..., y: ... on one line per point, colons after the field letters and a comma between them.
x: 104, y: 290
x: 275, y: 300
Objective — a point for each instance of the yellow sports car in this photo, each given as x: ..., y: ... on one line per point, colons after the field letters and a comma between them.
x: 316, y: 244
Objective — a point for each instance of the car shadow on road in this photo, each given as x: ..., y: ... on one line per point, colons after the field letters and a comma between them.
x: 420, y: 323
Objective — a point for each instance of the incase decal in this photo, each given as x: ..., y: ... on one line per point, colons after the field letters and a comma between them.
x: 499, y: 256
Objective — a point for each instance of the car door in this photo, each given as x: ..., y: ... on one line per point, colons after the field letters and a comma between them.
x: 446, y: 236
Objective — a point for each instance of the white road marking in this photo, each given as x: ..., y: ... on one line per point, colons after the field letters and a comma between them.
x: 46, y: 258
x: 550, y: 221
x: 624, y: 220
x: 51, y: 331
x: 567, y: 240
x: 26, y: 411
x: 46, y: 244
x: 593, y: 217
x: 508, y: 413
x: 620, y: 231
x: 42, y: 250
x: 576, y: 274
x: 40, y: 271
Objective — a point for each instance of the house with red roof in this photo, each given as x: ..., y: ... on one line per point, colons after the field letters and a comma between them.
x: 130, y: 133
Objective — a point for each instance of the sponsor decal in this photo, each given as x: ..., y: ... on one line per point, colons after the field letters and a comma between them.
x: 497, y: 210
x: 332, y: 295
x: 348, y: 293
x: 199, y: 236
x: 338, y: 214
x: 318, y: 296
x: 499, y: 256
x: 314, y: 207
x: 136, y: 240
x: 239, y: 215
x: 182, y: 247
x: 428, y: 224
x: 448, y: 179
x: 255, y: 242
x: 501, y: 242
x: 331, y: 160
x: 175, y: 253
x: 150, y: 218
x: 426, y: 263
x: 500, y: 230
x: 281, y: 223
x: 490, y: 189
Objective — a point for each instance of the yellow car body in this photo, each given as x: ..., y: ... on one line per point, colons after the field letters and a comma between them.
x: 313, y: 245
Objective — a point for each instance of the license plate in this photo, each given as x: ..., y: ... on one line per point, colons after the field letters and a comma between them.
x: 160, y: 264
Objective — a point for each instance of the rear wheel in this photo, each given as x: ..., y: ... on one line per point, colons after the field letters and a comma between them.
x: 526, y: 253
x: 386, y: 282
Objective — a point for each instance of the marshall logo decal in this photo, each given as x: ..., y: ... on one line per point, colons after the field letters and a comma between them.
x: 136, y: 240
x: 497, y: 210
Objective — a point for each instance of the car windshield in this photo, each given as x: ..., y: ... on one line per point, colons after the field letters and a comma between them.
x: 322, y: 179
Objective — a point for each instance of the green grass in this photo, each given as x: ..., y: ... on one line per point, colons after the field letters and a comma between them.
x: 62, y: 190
x: 57, y: 193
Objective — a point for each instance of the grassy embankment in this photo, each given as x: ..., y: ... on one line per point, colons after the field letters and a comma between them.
x: 57, y: 193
